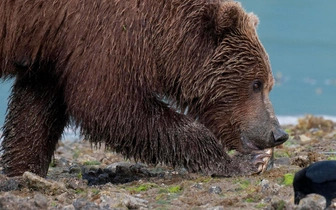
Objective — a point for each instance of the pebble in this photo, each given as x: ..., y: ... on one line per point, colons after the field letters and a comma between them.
x: 84, y: 204
x: 41, y: 201
x: 215, y: 208
x: 75, y: 169
x: 215, y: 189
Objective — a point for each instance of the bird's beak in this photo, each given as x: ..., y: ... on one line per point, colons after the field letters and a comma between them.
x: 297, y: 197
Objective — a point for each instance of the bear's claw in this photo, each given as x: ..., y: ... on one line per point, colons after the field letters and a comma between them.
x: 263, y: 160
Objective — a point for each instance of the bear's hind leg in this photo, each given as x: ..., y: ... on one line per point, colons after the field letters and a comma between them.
x: 34, y: 123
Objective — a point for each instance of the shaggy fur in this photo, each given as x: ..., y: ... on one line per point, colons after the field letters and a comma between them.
x: 109, y: 65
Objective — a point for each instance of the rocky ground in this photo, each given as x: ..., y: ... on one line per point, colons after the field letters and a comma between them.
x: 77, y: 175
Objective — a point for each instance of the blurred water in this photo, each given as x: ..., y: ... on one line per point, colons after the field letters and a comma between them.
x: 300, y: 38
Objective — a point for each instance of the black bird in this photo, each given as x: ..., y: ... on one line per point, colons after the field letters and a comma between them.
x: 318, y: 178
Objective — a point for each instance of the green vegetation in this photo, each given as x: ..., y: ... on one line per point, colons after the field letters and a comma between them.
x: 174, y: 189
x: 143, y: 187
x: 52, y: 163
x: 261, y: 205
x: 95, y: 191
x: 288, y: 179
x: 76, y: 153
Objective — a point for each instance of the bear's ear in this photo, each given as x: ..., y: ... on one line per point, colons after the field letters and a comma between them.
x: 224, y: 15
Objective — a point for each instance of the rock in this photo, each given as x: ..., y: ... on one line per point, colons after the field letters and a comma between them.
x: 74, y: 169
x: 198, y: 186
x: 41, y: 201
x: 215, y: 189
x: 84, y: 204
x: 304, y: 138
x: 309, y: 203
x: 113, y: 166
x: 121, y: 200
x: 9, y: 201
x: 69, y: 207
x: 9, y: 184
x: 264, y: 185
x: 42, y: 185
x: 283, y: 161
x: 269, y: 188
x: 215, y: 208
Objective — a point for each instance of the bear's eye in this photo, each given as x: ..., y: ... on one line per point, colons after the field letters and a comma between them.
x: 257, y: 86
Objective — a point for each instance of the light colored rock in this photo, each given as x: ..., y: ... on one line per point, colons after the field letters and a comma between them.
x: 42, y: 185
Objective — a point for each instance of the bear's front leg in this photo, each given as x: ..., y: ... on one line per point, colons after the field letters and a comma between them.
x: 33, y: 125
x: 155, y: 133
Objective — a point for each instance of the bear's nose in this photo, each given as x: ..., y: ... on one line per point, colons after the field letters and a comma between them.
x: 280, y: 136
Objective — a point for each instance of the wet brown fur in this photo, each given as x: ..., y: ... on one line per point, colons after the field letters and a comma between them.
x: 110, y: 65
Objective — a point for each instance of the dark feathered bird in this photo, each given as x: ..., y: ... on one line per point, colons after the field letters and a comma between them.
x: 319, y: 178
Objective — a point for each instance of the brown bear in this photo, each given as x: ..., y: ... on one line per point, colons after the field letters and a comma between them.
x: 177, y: 82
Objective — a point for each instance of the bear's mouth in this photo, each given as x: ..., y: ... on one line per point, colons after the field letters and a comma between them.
x: 248, y: 146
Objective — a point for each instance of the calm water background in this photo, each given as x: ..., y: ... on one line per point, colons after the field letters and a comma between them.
x: 300, y: 38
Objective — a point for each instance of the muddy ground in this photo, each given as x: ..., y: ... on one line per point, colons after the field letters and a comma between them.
x: 76, y: 176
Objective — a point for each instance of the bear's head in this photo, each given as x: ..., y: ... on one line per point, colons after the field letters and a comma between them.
x: 233, y: 90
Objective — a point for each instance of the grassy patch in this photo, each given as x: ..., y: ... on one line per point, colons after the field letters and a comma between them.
x: 95, y: 191
x: 143, y: 187
x: 79, y: 191
x: 174, y: 189
x: 260, y: 205
x: 288, y: 179
x: 76, y: 153
x: 52, y: 163
x: 331, y: 158
x: 243, y: 184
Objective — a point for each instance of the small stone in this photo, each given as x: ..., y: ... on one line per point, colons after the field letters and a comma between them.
x: 283, y: 161
x: 10, y: 184
x: 75, y: 169
x: 198, y: 186
x: 41, y: 201
x: 304, y: 138
x: 83, y: 204
x: 69, y: 207
x: 62, y: 162
x: 215, y: 208
x: 215, y: 189
x: 264, y: 185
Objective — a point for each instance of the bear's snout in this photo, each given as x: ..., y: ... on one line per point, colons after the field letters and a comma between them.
x: 280, y: 136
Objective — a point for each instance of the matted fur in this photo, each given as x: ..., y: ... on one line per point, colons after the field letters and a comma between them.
x: 108, y: 65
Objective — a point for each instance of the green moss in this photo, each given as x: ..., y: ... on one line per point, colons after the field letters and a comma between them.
x: 54, y: 204
x: 331, y: 158
x: 174, y: 189
x: 159, y: 197
x: 91, y: 163
x: 204, y: 179
x: 260, y: 205
x: 231, y: 152
x: 95, y: 191
x: 79, y: 175
x: 243, y: 183
x: 249, y: 200
x: 76, y: 153
x: 52, y: 163
x: 281, y: 205
x: 79, y: 191
x: 288, y: 179
x: 143, y: 187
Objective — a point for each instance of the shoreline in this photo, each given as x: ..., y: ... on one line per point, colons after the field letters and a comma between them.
x: 284, y: 120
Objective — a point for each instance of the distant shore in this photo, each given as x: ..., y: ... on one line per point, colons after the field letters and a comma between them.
x: 71, y: 134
